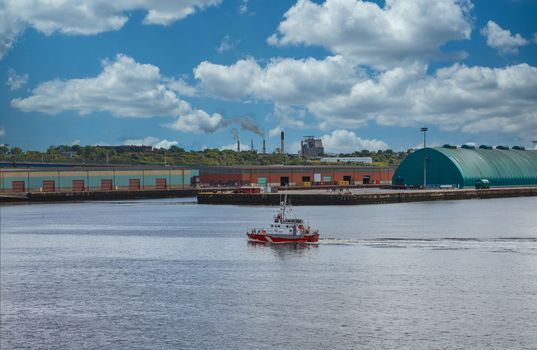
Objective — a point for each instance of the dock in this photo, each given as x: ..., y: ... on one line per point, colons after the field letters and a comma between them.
x: 362, y: 196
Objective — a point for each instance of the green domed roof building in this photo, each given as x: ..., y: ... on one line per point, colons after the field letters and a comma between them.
x: 463, y: 167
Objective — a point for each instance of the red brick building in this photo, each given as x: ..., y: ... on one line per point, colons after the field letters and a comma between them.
x: 294, y: 175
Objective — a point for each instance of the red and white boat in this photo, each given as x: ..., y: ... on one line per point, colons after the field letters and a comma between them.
x: 284, y: 229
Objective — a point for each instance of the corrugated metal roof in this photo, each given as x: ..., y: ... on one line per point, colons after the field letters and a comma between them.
x: 466, y: 166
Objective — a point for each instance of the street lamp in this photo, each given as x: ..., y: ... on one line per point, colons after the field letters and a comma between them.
x: 424, y: 130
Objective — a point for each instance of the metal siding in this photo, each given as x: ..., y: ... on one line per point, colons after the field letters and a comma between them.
x: 464, y: 167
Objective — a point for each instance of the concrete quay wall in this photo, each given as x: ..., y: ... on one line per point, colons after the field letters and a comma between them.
x: 363, y: 198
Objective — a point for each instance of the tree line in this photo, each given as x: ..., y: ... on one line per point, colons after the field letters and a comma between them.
x: 175, y: 156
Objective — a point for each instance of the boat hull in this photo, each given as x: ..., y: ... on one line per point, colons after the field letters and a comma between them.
x: 277, y: 239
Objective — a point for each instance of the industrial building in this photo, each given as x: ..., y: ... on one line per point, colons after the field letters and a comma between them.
x: 311, y: 147
x: 365, y: 160
x: 294, y: 175
x: 96, y: 179
x: 465, y: 166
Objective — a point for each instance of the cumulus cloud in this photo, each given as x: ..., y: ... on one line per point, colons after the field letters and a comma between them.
x: 16, y: 81
x: 87, y: 17
x: 151, y: 141
x: 288, y: 81
x: 126, y: 88
x: 2, y: 132
x: 345, y: 141
x: 457, y: 98
x: 502, y: 39
x: 401, y: 31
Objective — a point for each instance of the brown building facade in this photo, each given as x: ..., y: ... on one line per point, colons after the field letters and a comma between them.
x: 294, y: 175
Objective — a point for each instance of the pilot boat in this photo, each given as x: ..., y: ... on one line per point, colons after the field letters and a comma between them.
x: 284, y: 229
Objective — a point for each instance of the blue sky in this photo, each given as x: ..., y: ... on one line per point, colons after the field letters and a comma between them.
x: 359, y: 74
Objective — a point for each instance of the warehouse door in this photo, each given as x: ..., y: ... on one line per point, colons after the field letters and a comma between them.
x: 78, y: 185
x: 17, y: 186
x: 306, y: 179
x: 160, y: 184
x: 106, y: 184
x: 49, y: 186
x: 366, y: 179
x: 284, y: 181
x: 134, y: 184
x: 348, y: 179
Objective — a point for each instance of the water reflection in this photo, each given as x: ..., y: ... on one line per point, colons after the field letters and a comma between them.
x: 284, y: 251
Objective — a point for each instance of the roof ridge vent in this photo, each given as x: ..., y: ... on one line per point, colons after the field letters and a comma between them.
x: 485, y: 147
x: 519, y: 148
x: 468, y: 146
x: 505, y: 148
x: 447, y: 145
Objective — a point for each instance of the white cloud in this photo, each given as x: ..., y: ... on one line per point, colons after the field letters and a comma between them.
x: 16, y: 81
x: 344, y: 141
x: 502, y: 39
x: 198, y: 121
x: 124, y: 88
x: 338, y: 95
x: 233, y: 147
x: 401, y: 31
x: 275, y: 132
x: 181, y: 87
x: 75, y: 142
x: 2, y: 132
x: 243, y: 7
x: 288, y: 81
x: 87, y: 17
x: 456, y: 98
x: 226, y: 44
x: 151, y: 141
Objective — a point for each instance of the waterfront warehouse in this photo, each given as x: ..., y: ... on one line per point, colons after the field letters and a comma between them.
x: 294, y: 175
x: 466, y: 166
x: 78, y: 179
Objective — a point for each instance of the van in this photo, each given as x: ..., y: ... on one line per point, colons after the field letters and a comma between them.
x: 482, y: 184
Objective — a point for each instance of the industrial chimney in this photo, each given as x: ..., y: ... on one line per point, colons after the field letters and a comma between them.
x: 238, y: 144
x: 282, y: 151
x: 264, y: 146
x: 251, y: 144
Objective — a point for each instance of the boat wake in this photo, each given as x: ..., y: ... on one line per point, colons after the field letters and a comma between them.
x: 499, y: 245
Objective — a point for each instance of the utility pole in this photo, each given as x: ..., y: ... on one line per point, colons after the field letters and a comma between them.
x: 424, y: 130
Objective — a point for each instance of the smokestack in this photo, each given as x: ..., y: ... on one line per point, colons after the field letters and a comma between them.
x: 282, y: 151
x: 251, y: 144
x: 264, y: 146
x: 238, y: 144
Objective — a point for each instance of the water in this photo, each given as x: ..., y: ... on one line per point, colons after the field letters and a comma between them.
x: 171, y: 274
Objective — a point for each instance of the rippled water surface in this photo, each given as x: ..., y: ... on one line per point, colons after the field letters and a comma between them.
x: 171, y: 274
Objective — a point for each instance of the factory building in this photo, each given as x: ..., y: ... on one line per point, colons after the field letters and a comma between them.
x: 96, y: 179
x: 466, y: 166
x: 311, y: 147
x: 294, y: 175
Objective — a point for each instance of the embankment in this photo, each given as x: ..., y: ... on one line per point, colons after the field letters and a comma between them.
x: 386, y: 196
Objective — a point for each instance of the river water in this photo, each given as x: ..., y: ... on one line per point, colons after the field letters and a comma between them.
x: 171, y: 274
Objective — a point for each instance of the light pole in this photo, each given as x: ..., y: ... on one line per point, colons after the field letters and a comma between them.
x: 424, y: 130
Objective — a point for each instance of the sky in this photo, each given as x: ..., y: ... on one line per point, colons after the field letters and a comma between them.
x: 193, y: 73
